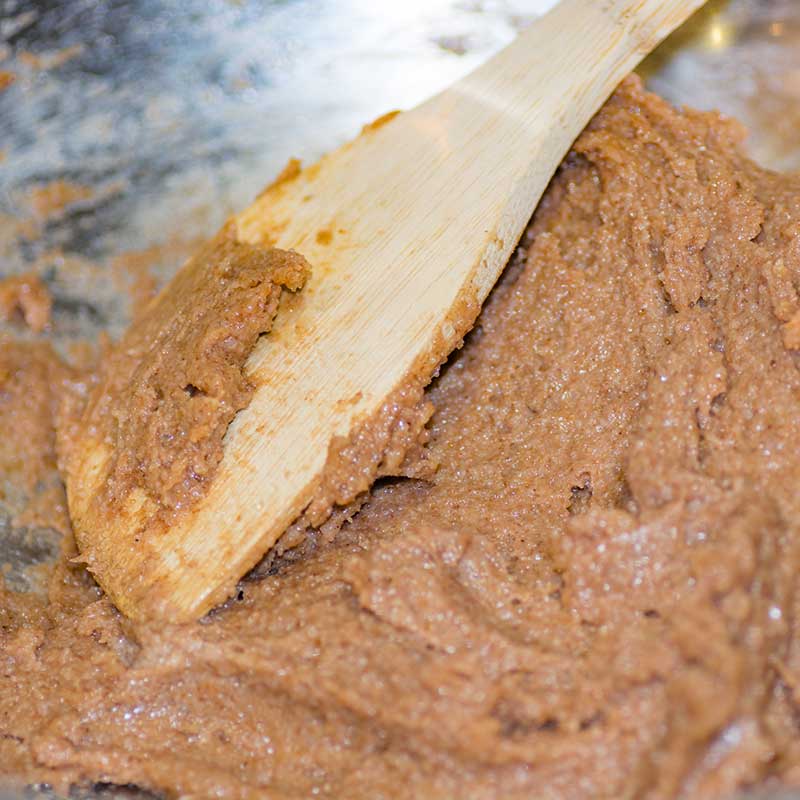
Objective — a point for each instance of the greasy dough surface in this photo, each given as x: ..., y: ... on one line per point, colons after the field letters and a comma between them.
x: 149, y: 439
x: 593, y: 595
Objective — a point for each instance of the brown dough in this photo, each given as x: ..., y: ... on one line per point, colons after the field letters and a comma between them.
x: 594, y: 595
x: 168, y: 391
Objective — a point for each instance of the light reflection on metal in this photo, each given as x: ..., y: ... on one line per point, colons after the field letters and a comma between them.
x: 720, y: 34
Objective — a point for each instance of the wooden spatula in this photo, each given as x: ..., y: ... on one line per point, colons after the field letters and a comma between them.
x: 406, y: 228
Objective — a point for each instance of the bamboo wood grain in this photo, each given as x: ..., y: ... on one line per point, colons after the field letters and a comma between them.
x: 407, y: 228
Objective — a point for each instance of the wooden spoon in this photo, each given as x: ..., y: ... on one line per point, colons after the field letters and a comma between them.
x: 407, y: 229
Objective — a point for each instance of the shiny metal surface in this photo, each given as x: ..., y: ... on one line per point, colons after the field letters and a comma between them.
x: 176, y: 114
x: 741, y: 57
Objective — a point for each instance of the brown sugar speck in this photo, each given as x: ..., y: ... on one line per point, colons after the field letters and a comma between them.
x: 791, y: 333
x: 6, y: 79
x: 26, y: 297
x: 324, y: 236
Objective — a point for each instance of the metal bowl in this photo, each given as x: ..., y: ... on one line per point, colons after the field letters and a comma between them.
x: 174, y: 115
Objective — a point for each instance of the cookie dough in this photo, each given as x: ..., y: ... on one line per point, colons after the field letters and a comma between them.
x: 150, y: 435
x: 593, y: 595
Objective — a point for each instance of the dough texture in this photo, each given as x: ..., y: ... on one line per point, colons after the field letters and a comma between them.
x: 591, y: 592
